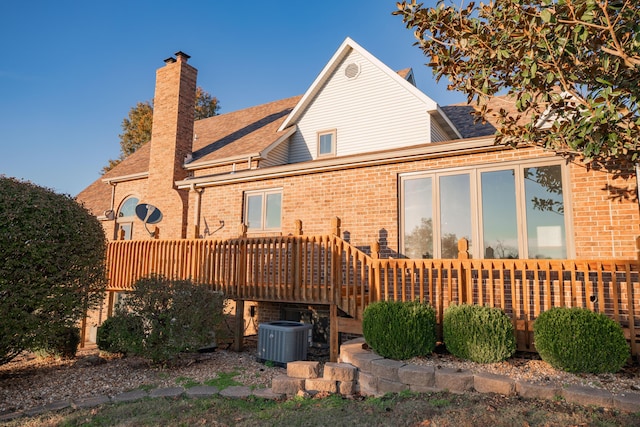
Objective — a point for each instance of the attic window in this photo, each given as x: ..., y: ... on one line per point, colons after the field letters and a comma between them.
x: 352, y: 70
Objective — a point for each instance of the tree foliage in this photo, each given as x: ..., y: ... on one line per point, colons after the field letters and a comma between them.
x: 136, y: 127
x: 572, y: 63
x: 52, y: 266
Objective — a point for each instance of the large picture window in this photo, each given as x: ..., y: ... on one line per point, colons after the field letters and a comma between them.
x: 506, y: 211
x: 263, y: 210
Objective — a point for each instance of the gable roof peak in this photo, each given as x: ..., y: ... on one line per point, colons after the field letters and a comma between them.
x: 348, y: 46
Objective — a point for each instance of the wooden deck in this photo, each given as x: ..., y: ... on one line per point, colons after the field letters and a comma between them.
x: 327, y: 270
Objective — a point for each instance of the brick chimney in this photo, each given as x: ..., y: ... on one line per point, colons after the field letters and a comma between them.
x: 171, y: 142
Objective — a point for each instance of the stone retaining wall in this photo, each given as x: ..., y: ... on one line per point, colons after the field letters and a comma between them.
x: 362, y: 371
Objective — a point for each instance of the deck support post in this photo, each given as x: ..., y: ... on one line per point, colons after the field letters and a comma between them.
x: 334, y: 341
x: 238, y: 332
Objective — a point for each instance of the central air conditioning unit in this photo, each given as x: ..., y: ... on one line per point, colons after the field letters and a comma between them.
x: 283, y: 341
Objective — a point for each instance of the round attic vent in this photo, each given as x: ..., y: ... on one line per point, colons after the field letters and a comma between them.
x: 352, y: 70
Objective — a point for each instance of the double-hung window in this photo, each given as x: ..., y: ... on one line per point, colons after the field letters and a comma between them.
x: 263, y: 210
x: 504, y: 211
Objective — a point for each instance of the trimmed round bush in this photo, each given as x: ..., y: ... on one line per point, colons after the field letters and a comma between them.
x: 477, y: 333
x: 580, y: 340
x: 53, y: 265
x: 400, y: 330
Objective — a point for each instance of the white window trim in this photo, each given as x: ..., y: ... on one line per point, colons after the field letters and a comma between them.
x: 334, y: 142
x: 264, y: 193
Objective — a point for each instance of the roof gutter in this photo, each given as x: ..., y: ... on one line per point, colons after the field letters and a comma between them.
x: 222, y: 162
x: 449, y: 148
x: 123, y: 178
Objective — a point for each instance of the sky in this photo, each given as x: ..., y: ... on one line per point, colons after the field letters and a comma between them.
x: 70, y: 71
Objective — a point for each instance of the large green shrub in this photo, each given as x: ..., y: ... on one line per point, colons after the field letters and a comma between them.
x: 579, y: 340
x: 52, y: 269
x: 400, y: 330
x: 176, y: 316
x: 121, y: 333
x: 477, y: 333
x: 62, y: 343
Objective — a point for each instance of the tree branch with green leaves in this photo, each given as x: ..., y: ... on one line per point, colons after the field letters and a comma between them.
x: 573, y: 64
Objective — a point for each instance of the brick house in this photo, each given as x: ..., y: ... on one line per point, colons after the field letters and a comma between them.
x: 363, y: 144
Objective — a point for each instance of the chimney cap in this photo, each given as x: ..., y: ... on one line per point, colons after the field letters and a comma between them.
x: 182, y: 57
x: 170, y: 60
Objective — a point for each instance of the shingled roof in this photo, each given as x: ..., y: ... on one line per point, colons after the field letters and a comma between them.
x: 237, y: 134
x: 246, y: 133
x: 240, y: 133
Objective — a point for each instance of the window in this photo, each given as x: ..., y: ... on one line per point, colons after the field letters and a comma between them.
x: 125, y: 218
x: 327, y: 143
x: 513, y: 211
x: 263, y: 210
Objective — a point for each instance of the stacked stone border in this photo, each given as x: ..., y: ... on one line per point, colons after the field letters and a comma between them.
x: 361, y: 371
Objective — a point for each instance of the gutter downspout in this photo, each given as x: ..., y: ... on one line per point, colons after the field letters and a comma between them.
x: 113, y: 195
x: 197, y: 208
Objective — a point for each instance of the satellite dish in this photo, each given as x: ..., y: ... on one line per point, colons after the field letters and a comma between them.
x: 148, y: 214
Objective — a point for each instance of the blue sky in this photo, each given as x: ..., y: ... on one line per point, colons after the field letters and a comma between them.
x: 71, y: 70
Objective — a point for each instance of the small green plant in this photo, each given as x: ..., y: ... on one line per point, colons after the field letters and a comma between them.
x: 269, y: 364
x: 580, y: 340
x: 440, y: 403
x: 400, y: 330
x: 477, y: 333
x: 187, y: 382
x: 224, y: 380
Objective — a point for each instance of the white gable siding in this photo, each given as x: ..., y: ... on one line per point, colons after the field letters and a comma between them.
x: 370, y: 112
x: 279, y: 155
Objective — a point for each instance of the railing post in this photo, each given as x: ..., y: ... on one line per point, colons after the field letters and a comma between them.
x: 335, y: 226
x: 375, y: 250
x: 374, y: 292
x: 241, y: 260
x: 298, y: 228
x: 463, y: 249
x: 242, y: 230
x: 464, y: 274
x: 296, y: 266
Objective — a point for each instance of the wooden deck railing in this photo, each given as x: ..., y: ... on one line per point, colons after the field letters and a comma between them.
x: 522, y: 288
x: 328, y: 270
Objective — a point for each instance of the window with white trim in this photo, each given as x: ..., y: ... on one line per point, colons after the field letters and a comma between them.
x: 327, y: 143
x: 505, y: 211
x: 263, y: 210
